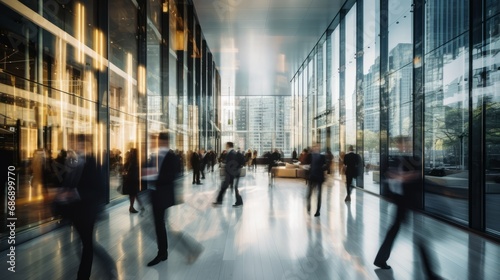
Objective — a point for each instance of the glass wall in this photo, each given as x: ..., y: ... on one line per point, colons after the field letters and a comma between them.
x: 334, y: 122
x: 371, y: 91
x: 446, y: 119
x: 117, y: 82
x: 262, y: 123
x: 442, y: 95
x: 486, y: 96
x: 350, y: 79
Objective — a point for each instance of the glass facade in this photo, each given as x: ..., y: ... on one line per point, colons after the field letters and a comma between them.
x: 261, y: 123
x: 120, y: 71
x: 418, y: 70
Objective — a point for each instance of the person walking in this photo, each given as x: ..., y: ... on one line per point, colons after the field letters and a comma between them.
x: 84, y: 181
x: 203, y: 162
x: 131, y: 180
x: 195, y: 164
x: 403, y: 179
x: 232, y: 168
x: 316, y: 177
x: 294, y: 154
x: 163, y: 194
x: 351, y: 163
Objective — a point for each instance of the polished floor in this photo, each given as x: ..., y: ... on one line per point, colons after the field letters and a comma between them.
x: 271, y: 237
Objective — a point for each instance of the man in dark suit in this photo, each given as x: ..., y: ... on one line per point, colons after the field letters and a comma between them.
x: 196, y: 164
x: 162, y: 195
x: 351, y: 163
x: 316, y: 176
x: 232, y: 169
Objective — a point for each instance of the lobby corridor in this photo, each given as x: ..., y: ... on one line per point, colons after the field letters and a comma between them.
x: 271, y: 237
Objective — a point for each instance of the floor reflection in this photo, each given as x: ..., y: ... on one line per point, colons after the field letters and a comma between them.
x: 270, y: 237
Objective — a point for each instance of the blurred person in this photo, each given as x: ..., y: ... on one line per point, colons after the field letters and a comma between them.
x: 248, y: 158
x: 274, y: 158
x: 303, y: 157
x: 213, y: 159
x: 131, y: 180
x: 294, y: 154
x: 316, y: 177
x: 195, y: 165
x: 351, y: 164
x: 403, y: 179
x: 202, y: 156
x: 232, y: 170
x: 163, y: 194
x: 82, y: 198
x: 329, y: 160
x: 222, y: 157
x: 254, y: 160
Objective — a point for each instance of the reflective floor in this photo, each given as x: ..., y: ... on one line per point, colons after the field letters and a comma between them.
x: 271, y: 237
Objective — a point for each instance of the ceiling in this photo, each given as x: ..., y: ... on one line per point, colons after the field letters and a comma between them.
x: 258, y: 45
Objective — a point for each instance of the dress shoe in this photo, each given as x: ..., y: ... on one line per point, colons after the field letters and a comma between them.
x: 382, y: 265
x: 158, y: 259
x: 217, y: 203
x: 132, y: 210
x: 237, y: 205
x: 317, y: 214
x: 193, y: 256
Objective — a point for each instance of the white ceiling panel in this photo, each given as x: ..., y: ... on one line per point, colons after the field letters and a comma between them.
x: 257, y: 44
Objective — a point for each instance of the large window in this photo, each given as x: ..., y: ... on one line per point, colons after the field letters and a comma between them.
x: 371, y: 91
x: 446, y: 118
x: 486, y: 92
x: 335, y: 87
x: 350, y: 79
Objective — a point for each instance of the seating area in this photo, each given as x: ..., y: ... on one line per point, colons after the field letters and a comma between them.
x: 290, y: 171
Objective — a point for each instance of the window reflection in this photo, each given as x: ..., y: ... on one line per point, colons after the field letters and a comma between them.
x: 487, y: 98
x: 446, y: 114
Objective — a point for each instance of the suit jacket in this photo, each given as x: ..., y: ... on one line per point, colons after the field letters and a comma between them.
x: 234, y: 161
x: 195, y: 160
x: 351, y: 161
x: 316, y: 172
x: 164, y: 195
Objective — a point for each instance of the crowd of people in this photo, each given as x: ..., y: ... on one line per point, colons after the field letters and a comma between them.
x: 81, y: 187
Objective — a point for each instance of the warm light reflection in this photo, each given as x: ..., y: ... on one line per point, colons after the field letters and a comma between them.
x: 80, y: 32
x: 101, y: 141
x: 141, y: 79
x: 179, y: 40
x: 99, y: 48
x: 165, y: 6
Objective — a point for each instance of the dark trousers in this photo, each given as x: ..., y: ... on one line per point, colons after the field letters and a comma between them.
x: 161, y: 231
x: 385, y: 250
x: 348, y: 185
x: 84, y: 221
x: 196, y: 175
x: 311, y: 186
x: 229, y: 180
x: 202, y: 170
